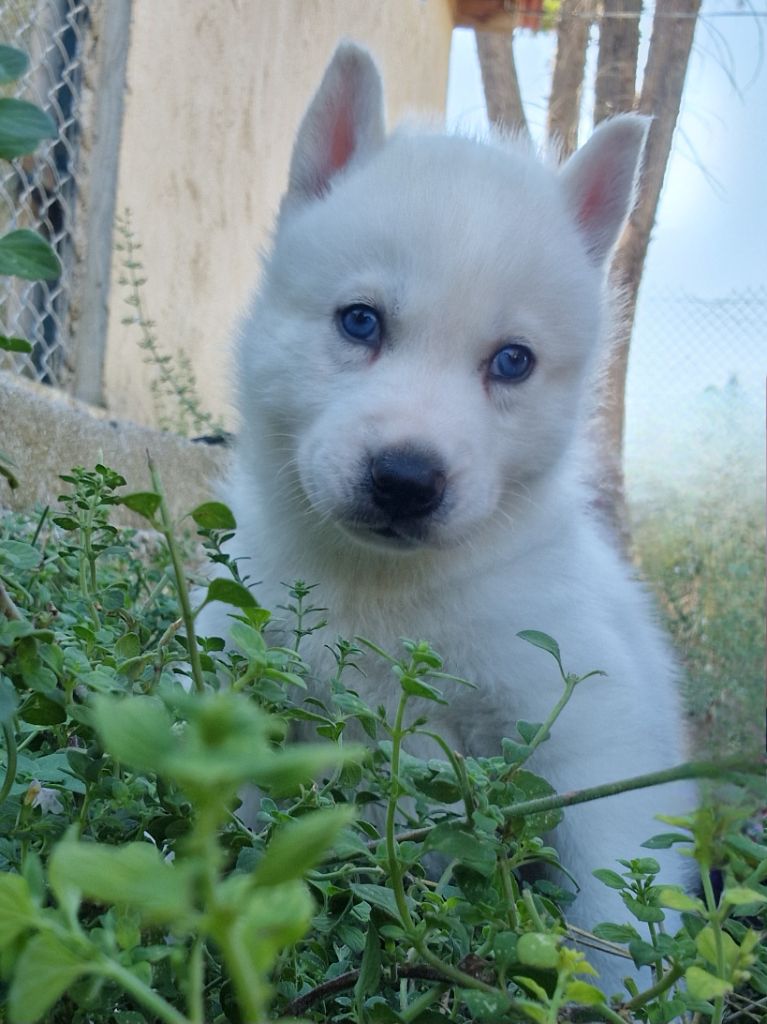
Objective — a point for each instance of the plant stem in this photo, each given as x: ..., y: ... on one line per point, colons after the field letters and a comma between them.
x: 716, y: 927
x: 342, y: 982
x: 456, y: 975
x: 181, y: 587
x: 39, y: 526
x: 529, y: 901
x: 570, y: 684
x: 395, y: 871
x: 660, y: 986
x: 508, y: 891
x: 7, y: 607
x: 143, y: 995
x: 251, y: 1003
x: 421, y: 1003
x: 458, y: 770
x: 588, y: 1013
x: 196, y: 983
x: 689, y: 770
x: 10, y: 768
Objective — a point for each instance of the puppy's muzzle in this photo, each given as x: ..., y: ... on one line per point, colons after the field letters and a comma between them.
x: 406, y: 483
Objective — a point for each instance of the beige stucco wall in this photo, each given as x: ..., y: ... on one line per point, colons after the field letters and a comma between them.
x: 216, y: 89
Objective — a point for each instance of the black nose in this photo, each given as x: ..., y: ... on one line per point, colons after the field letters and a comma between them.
x: 406, y: 482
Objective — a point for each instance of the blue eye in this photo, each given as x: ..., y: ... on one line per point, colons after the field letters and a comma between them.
x: 512, y: 363
x: 361, y: 324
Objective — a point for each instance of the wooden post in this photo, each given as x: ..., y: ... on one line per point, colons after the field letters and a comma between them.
x: 98, y: 189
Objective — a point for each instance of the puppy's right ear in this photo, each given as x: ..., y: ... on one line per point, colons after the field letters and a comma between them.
x: 345, y: 121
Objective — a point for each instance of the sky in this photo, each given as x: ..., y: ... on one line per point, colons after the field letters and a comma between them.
x: 711, y: 233
x: 710, y: 239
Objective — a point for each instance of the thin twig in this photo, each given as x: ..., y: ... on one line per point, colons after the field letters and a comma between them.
x: 689, y: 770
x: 7, y: 607
x: 348, y: 980
x: 748, y: 1010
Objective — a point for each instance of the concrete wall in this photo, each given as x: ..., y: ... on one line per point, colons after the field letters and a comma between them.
x: 215, y: 93
x: 44, y: 433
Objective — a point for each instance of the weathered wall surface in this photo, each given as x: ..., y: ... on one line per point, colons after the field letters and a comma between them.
x: 45, y: 434
x: 215, y: 94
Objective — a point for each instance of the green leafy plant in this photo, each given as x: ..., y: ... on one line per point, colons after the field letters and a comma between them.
x: 23, y: 253
x: 366, y: 885
x: 23, y: 126
x: 174, y: 386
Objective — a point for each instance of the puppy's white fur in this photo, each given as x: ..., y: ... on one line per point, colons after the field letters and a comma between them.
x: 462, y: 246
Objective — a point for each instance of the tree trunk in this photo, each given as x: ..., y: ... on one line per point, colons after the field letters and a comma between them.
x: 670, y: 46
x: 500, y: 82
x: 573, y: 29
x: 615, y: 87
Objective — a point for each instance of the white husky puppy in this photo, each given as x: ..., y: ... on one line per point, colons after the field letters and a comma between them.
x: 413, y: 377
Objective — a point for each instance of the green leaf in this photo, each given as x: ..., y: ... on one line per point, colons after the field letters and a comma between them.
x: 706, y: 944
x: 542, y: 640
x: 616, y: 932
x: 44, y: 971
x: 485, y: 1005
x: 41, y: 710
x: 416, y: 687
x: 299, y: 845
x: 9, y: 700
x: 610, y: 878
x: 25, y: 254
x: 583, y: 993
x: 66, y: 522
x: 230, y: 592
x: 538, y: 950
x: 643, y: 953
x: 454, y: 840
x: 13, y: 64
x: 17, y: 909
x: 19, y: 554
x: 513, y: 752
x: 135, y: 730
x: 641, y: 911
x: 128, y: 646
x: 370, y: 969
x: 249, y: 640
x: 739, y: 895
x: 702, y: 985
x: 267, y: 920
x: 6, y: 472
x: 528, y: 730
x: 529, y: 786
x: 145, y: 503
x: 677, y: 899
x: 134, y: 875
x: 214, y: 515
x: 379, y: 896
x: 533, y: 1010
x: 664, y: 840
x: 287, y: 769
x: 643, y: 866
x: 14, y: 344
x: 23, y: 126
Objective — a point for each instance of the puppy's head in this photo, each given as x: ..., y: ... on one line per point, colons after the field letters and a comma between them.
x: 419, y: 352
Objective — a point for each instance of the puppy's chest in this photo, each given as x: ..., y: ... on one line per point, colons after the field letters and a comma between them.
x: 477, y: 651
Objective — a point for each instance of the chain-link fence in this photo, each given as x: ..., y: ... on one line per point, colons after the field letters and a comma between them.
x: 695, y: 395
x: 40, y: 191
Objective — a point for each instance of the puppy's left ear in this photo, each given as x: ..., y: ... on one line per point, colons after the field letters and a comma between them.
x: 600, y: 180
x: 345, y: 121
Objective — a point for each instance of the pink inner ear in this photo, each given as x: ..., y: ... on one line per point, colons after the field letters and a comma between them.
x: 594, y: 199
x: 342, y: 141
